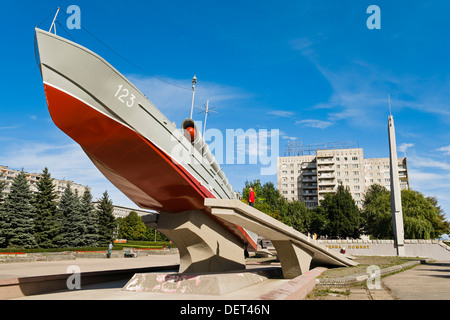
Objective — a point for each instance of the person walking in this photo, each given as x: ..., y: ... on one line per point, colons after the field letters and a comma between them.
x: 108, y: 255
x: 251, y: 197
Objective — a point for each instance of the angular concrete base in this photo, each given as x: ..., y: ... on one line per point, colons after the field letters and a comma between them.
x: 203, y: 244
x: 295, y: 250
x: 294, y: 260
x: 194, y: 283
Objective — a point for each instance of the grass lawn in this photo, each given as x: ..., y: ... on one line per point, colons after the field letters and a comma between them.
x: 364, y: 262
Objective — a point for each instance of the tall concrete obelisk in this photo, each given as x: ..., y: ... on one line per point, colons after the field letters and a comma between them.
x: 396, y: 200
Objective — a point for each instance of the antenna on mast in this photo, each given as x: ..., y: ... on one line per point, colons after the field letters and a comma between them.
x: 206, y: 110
x: 53, y: 22
x: 194, y: 81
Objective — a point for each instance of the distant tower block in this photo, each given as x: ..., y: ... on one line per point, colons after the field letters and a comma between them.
x: 396, y: 200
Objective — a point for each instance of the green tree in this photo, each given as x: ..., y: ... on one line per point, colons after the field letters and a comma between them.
x: 269, y: 200
x: 18, y: 216
x: 154, y: 235
x: 441, y: 225
x: 296, y: 215
x: 342, y: 214
x: 2, y: 186
x: 106, y: 221
x: 89, y: 217
x: 318, y: 222
x: 422, y: 216
x: 46, y: 225
x: 69, y: 217
x: 3, y: 217
x: 376, y: 213
x: 132, y: 227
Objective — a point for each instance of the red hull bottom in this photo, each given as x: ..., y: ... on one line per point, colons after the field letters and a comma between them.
x: 132, y: 163
x: 136, y: 166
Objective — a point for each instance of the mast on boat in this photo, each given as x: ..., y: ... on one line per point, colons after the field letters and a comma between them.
x: 53, y: 22
x: 194, y: 81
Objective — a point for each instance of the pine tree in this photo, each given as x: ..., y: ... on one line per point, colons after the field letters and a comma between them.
x: 46, y: 226
x: 18, y: 216
x: 69, y: 217
x: 3, y: 224
x: 2, y: 187
x: 106, y: 221
x: 90, y: 220
x: 342, y: 214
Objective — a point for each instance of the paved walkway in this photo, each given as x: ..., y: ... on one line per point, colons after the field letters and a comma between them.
x: 39, y: 268
x: 429, y: 281
x: 424, y: 282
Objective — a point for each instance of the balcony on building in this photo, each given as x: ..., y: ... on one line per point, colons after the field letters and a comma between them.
x: 326, y: 189
x: 325, y: 168
x: 307, y: 178
x: 326, y: 182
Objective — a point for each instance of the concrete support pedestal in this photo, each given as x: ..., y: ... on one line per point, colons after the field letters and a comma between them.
x: 203, y: 244
x: 295, y: 260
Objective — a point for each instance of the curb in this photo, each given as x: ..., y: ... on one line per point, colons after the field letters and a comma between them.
x: 361, y: 277
x: 295, y: 289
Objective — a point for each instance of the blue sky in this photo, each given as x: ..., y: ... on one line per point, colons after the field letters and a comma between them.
x: 311, y: 69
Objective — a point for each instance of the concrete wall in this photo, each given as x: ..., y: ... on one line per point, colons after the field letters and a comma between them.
x: 433, y: 249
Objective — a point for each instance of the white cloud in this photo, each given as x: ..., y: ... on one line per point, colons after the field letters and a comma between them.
x: 428, y: 163
x: 404, y: 146
x: 446, y: 150
x: 315, y: 123
x: 10, y: 127
x: 360, y: 92
x: 173, y: 97
x: 281, y: 113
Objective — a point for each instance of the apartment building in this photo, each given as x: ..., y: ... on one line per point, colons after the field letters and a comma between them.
x: 308, y: 178
x: 122, y: 211
x: 9, y: 174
